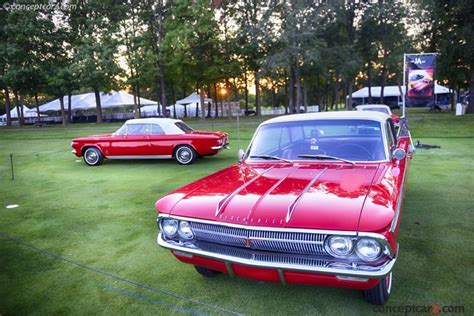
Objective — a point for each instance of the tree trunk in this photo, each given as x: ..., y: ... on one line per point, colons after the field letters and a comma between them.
x: 286, y: 93
x: 258, y: 110
x: 8, y: 107
x: 22, y: 108
x: 298, y: 86
x: 63, y: 114
x: 136, y: 114
x: 349, y: 93
x: 69, y: 108
x: 369, y: 82
x: 337, y: 92
x: 203, y: 106
x: 470, y: 107
x: 305, y: 96
x: 246, y: 92
x: 98, y: 105
x: 163, y: 90
x: 382, y: 83
x: 173, y: 95
x: 37, y: 108
x: 139, y: 102
x: 216, y: 111
x: 292, y: 89
x: 17, y: 104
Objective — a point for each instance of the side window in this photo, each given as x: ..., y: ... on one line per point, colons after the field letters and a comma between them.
x: 137, y: 129
x: 157, y: 130
x: 391, y: 141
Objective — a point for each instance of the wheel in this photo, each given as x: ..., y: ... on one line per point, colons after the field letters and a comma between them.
x: 92, y: 156
x: 208, y: 273
x: 379, y: 294
x: 185, y: 155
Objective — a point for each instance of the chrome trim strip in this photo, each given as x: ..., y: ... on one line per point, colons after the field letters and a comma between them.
x: 393, y: 226
x: 260, y: 199
x: 292, y: 207
x: 140, y: 157
x: 223, y: 203
x: 265, y: 228
x: 381, y: 271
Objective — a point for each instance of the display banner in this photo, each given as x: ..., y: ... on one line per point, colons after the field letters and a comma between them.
x: 420, y: 78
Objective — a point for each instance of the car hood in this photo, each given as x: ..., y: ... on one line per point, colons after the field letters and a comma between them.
x: 313, y: 195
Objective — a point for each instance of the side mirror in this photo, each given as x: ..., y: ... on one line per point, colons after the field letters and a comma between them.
x: 241, y: 154
x: 399, y: 154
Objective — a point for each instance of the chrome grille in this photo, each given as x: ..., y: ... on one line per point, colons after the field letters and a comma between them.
x: 290, y: 242
x: 262, y: 256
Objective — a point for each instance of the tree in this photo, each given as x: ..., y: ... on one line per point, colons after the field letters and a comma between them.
x: 191, y: 41
x: 448, y: 30
x: 95, y: 50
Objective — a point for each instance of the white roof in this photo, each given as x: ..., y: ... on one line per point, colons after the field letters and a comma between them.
x: 168, y: 125
x: 86, y: 101
x: 339, y: 115
x: 390, y: 91
x: 374, y: 106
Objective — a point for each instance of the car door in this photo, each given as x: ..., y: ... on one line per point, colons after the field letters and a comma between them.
x: 399, y: 167
x: 133, y: 144
x: 161, y: 145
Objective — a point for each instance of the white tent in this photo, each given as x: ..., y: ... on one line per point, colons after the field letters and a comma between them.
x: 189, y: 104
x: 390, y: 91
x: 86, y: 101
x: 149, y: 110
x: 26, y: 113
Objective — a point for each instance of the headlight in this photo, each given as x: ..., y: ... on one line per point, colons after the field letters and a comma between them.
x: 368, y: 249
x: 185, y: 231
x: 169, y: 227
x: 339, y: 246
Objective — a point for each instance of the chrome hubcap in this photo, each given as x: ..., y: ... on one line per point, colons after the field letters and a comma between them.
x: 91, y: 156
x: 184, y: 155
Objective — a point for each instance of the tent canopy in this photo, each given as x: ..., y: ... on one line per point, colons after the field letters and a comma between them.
x: 391, y: 91
x: 26, y: 113
x: 192, y: 98
x: 86, y: 101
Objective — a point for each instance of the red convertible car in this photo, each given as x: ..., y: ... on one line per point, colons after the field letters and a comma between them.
x: 316, y: 199
x: 380, y: 108
x: 150, y: 138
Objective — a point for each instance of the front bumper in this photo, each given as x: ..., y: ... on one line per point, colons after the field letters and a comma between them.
x: 355, y: 271
x: 224, y: 146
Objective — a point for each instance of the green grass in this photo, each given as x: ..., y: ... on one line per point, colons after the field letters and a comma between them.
x: 101, y: 222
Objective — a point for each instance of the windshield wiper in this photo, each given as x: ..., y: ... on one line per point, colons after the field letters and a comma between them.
x: 325, y: 157
x: 268, y: 157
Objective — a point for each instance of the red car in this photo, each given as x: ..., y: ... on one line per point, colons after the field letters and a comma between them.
x: 150, y: 138
x: 380, y: 108
x: 316, y: 199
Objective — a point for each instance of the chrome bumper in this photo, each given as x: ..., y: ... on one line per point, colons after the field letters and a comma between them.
x: 353, y: 271
x: 73, y: 151
x: 225, y: 146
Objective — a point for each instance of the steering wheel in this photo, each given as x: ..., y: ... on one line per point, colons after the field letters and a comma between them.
x: 361, y: 150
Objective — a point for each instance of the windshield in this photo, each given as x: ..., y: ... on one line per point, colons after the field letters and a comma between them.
x: 121, y: 131
x: 354, y: 140
x: 382, y: 110
x: 182, y: 126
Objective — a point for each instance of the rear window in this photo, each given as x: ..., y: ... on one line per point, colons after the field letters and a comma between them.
x: 185, y: 128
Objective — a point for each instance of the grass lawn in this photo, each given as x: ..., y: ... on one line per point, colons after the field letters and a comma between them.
x: 82, y: 240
